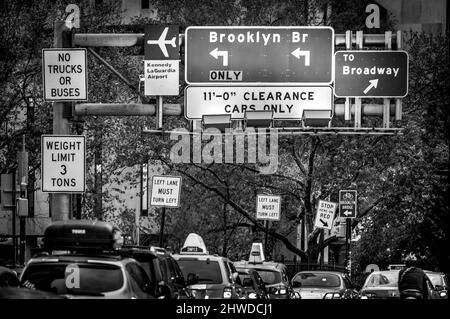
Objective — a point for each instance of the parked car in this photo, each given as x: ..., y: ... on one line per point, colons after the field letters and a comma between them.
x: 323, y: 284
x: 82, y: 260
x: 253, y: 284
x: 381, y: 284
x: 208, y: 276
x: 163, y: 270
x: 272, y: 273
x: 440, y: 284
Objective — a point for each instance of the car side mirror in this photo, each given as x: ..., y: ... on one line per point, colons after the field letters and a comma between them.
x: 192, y: 279
x: 247, y: 282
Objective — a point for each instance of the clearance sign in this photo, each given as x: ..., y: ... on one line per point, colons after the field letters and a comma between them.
x: 64, y: 74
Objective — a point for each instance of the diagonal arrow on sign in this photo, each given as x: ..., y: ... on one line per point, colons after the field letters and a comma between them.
x: 224, y: 54
x: 298, y: 53
x: 373, y: 84
x: 324, y: 223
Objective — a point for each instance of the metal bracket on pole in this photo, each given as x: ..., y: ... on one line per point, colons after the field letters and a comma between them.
x: 358, y: 101
x: 398, y: 102
x: 117, y: 73
x: 348, y: 46
x: 159, y: 112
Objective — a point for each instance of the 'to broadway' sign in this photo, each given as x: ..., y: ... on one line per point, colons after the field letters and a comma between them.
x: 245, y: 55
x: 371, y: 74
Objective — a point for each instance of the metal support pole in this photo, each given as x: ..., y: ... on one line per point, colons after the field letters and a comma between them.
x: 117, y: 73
x: 60, y: 202
x: 22, y: 240
x: 322, y: 250
x: 266, y: 237
x: 386, y: 104
x: 348, y: 102
x: 159, y: 112
x: 14, y: 213
x: 358, y: 101
x: 398, y: 102
x: 23, y: 183
x: 348, y: 226
x: 161, y: 233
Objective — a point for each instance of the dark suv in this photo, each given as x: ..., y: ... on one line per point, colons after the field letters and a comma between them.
x: 83, y: 259
x: 163, y: 271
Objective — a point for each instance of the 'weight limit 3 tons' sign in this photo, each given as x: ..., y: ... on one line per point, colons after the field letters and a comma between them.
x: 63, y: 163
x: 64, y: 74
x: 165, y: 191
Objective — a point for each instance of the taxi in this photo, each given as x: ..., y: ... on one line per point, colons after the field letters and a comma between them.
x: 208, y: 276
x: 272, y: 273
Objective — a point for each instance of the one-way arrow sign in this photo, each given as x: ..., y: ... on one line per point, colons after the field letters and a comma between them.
x: 325, y: 214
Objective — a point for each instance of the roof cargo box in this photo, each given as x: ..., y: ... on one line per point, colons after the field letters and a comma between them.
x: 82, y: 235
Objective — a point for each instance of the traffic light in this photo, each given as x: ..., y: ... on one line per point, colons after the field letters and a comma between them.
x: 6, y: 192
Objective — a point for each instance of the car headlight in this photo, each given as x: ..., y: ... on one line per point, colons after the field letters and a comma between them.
x: 368, y: 295
x: 252, y: 295
x: 332, y: 295
x: 278, y: 291
x: 443, y: 293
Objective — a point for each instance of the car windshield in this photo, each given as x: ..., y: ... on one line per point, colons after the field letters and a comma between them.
x: 67, y: 278
x: 208, y: 271
x: 317, y: 280
x: 269, y: 277
x: 436, y: 279
x: 382, y: 279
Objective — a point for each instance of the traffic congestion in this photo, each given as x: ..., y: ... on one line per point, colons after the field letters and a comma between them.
x: 88, y: 259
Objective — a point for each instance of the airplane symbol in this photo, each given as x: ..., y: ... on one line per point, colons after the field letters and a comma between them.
x: 162, y: 42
